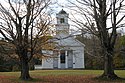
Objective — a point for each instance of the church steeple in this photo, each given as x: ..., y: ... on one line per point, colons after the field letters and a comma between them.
x: 62, y: 17
x: 62, y: 26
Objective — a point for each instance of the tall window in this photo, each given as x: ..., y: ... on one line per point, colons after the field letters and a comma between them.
x: 62, y: 57
x: 62, y: 20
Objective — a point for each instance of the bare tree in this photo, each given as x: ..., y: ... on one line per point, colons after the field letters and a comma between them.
x: 22, y: 22
x: 101, y: 18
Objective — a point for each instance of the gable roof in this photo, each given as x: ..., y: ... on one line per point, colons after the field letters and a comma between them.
x: 70, y: 41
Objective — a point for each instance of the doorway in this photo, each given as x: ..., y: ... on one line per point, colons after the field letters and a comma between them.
x: 62, y: 59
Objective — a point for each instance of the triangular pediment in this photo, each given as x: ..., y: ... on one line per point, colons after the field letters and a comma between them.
x: 69, y: 41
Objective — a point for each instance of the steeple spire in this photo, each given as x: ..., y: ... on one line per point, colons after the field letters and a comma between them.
x: 62, y: 12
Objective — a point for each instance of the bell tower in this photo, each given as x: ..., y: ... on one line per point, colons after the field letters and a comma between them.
x: 62, y: 26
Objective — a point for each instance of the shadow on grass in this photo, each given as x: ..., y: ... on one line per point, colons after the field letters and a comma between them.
x: 118, y: 79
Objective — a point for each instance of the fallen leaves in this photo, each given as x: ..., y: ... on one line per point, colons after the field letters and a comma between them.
x: 56, y: 79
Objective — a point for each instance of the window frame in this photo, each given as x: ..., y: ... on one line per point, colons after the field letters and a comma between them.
x: 62, y: 20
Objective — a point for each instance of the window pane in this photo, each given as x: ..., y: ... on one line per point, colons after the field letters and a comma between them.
x: 62, y: 20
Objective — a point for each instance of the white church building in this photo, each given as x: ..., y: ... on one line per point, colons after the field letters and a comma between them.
x: 70, y: 50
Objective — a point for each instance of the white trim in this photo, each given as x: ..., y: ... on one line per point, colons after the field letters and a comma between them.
x: 66, y: 59
x: 79, y: 42
x: 59, y: 60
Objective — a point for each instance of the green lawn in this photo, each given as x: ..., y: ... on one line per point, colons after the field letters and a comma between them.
x: 120, y: 73
x: 57, y: 73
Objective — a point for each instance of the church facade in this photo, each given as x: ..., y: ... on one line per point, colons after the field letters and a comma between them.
x: 70, y: 51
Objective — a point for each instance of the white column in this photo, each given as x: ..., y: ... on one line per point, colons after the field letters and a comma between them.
x: 66, y: 59
x: 59, y: 60
x: 73, y: 60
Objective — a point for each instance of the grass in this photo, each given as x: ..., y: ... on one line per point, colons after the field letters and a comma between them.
x: 59, y: 76
x: 66, y: 72
x: 56, y: 72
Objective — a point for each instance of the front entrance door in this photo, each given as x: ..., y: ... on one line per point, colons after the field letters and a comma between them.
x: 62, y: 59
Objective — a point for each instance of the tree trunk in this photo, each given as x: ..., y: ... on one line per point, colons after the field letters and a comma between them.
x: 24, y: 69
x: 108, y: 67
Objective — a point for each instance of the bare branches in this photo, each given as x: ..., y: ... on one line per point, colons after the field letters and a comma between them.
x: 23, y: 22
x: 98, y: 13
